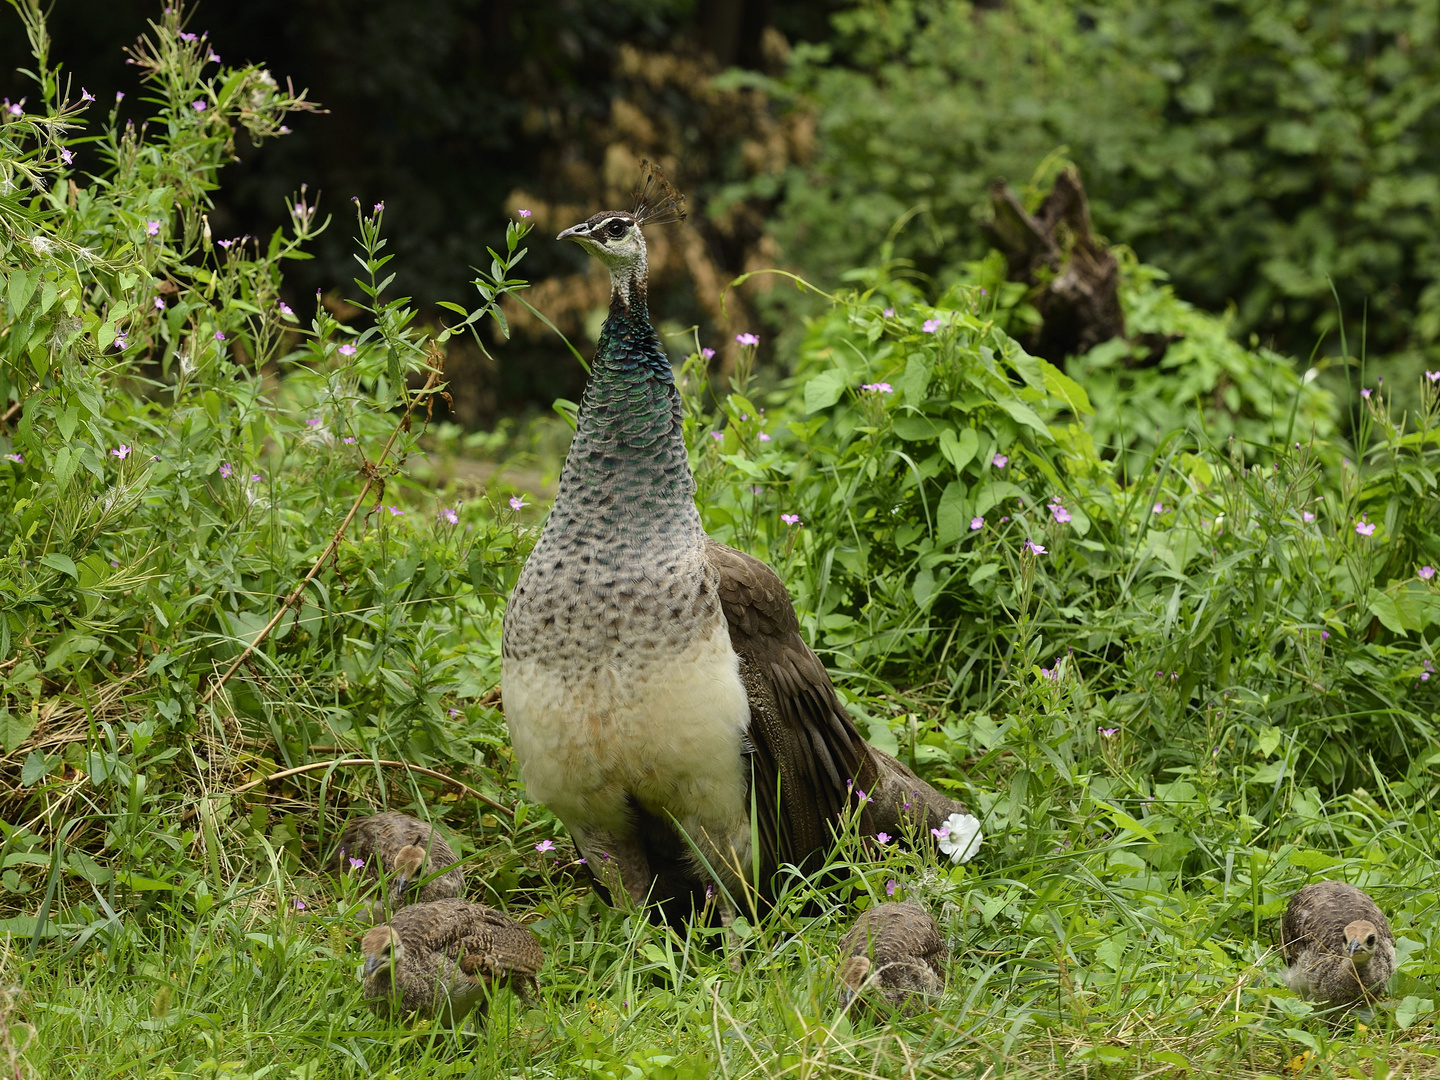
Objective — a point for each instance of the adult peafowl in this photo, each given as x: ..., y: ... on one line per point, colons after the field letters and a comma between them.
x: 655, y: 682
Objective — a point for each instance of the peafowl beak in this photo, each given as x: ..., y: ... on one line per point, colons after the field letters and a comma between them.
x: 575, y: 232
x: 374, y: 964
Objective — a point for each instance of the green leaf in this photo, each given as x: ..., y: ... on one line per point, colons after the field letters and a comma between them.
x: 992, y: 492
x: 824, y: 390
x: 915, y: 382
x: 1025, y: 415
x: 959, y: 449
x: 15, y: 728
x: 141, y: 883
x: 951, y: 519
x: 1411, y: 1007
x: 1398, y: 611
x: 21, y: 287
x: 1059, y: 385
x: 1312, y: 860
x: 56, y: 561
x: 916, y: 428
x: 34, y: 769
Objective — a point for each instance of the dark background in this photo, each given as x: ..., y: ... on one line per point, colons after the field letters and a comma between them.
x: 440, y: 108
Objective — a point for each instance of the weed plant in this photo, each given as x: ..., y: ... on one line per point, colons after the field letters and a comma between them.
x: 1176, y: 674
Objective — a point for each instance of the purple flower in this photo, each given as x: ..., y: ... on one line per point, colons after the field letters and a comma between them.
x: 450, y: 516
x: 1158, y: 508
x: 977, y: 523
x: 313, y: 421
x: 1035, y: 549
x: 1109, y: 732
x: 764, y: 437
x: 545, y: 845
x: 122, y: 451
x: 119, y: 96
x: 187, y: 37
x: 1324, y: 635
x: 65, y: 155
x: 214, y: 57
x: 86, y: 95
x: 379, y: 207
x: 890, y: 887
x: 454, y: 712
x: 256, y: 478
x: 930, y: 326
x: 1000, y: 461
x: 225, y: 470
x: 790, y: 519
x: 199, y: 105
x: 889, y: 313
x: 219, y: 335
x: 152, y: 228
x: 1365, y: 393
x: 356, y: 864
x: 523, y: 213
x: 1307, y: 517
x: 1365, y: 528
x: 940, y: 833
x: 15, y: 458
x: 395, y: 511
x: 517, y: 502
x: 225, y: 243
x: 1433, y: 376
x: 347, y: 349
x: 14, y: 110
x: 747, y: 339
x: 299, y: 904
x: 286, y: 310
x: 717, y: 435
x: 122, y: 340
x: 1427, y: 572
x: 1061, y: 514
x: 883, y: 837
x: 879, y: 387
x: 707, y: 354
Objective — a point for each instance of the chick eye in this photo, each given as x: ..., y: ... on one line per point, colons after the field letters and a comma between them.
x: 615, y: 228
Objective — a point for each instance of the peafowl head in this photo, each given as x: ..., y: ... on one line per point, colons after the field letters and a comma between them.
x: 615, y: 237
x: 1360, y: 941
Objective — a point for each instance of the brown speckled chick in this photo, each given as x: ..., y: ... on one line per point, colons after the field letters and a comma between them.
x: 444, y: 958
x: 895, y: 949
x: 1338, y: 945
x: 407, y: 850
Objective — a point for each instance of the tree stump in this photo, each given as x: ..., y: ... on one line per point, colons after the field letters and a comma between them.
x: 1074, y: 278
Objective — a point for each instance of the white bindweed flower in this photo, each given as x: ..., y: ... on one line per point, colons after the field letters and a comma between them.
x: 960, y: 837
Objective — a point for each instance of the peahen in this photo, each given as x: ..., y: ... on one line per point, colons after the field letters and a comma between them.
x: 655, y: 681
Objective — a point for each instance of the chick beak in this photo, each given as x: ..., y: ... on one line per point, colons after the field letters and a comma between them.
x: 373, y: 964
x: 1353, y: 945
x: 575, y: 232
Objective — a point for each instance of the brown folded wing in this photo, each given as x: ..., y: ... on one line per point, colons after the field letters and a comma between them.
x: 808, y: 758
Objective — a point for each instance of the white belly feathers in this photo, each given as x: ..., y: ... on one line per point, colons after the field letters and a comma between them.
x: 667, y: 733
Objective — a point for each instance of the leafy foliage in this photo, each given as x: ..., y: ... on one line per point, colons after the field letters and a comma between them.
x: 1255, y: 151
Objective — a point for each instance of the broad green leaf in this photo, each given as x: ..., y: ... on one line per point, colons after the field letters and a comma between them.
x: 15, y: 728
x: 1398, y: 611
x: 951, y: 521
x: 57, y: 561
x: 959, y: 449
x: 824, y: 390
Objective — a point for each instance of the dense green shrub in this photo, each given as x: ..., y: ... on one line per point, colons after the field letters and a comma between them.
x: 1254, y: 150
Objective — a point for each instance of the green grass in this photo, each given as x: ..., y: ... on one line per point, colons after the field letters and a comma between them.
x: 1094, y: 953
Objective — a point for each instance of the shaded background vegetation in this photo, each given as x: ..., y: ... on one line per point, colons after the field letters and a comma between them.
x: 1255, y: 151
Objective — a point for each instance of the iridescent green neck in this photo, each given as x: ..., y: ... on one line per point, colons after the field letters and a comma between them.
x: 627, y: 469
